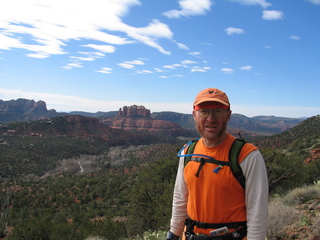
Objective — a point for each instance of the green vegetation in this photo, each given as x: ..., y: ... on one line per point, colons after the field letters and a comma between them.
x: 84, y: 188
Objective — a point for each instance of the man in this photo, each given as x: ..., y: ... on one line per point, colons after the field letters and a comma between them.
x: 208, y: 195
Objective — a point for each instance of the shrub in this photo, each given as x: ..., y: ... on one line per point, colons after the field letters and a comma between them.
x: 302, y: 195
x: 280, y: 215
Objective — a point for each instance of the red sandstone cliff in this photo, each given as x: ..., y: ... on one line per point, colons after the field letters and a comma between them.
x: 138, y: 119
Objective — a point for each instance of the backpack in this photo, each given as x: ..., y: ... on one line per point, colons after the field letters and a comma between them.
x: 233, y: 160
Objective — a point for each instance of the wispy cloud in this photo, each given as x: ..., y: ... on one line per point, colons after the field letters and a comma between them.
x: 182, y: 46
x: 187, y: 62
x: 294, y: 37
x: 247, y: 68
x: 232, y: 31
x: 102, y: 48
x: 262, y: 3
x: 52, y: 24
x: 190, y: 8
x: 195, y: 54
x: 73, y: 65
x: 227, y: 70
x: 144, y: 72
x: 317, y: 2
x: 200, y: 69
x: 272, y: 15
x: 131, y: 64
x: 105, y: 70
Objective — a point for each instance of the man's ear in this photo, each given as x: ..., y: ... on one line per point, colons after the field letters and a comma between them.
x: 194, y: 114
x: 229, y: 115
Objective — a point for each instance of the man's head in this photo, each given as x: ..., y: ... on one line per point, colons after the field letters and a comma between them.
x: 211, y: 114
x: 212, y: 96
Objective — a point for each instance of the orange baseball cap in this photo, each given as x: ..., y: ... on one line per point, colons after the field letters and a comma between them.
x: 212, y: 95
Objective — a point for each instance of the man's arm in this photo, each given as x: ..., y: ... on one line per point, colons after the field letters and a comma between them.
x: 257, y: 195
x: 180, y: 199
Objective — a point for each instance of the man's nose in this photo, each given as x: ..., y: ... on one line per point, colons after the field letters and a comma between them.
x: 211, y: 116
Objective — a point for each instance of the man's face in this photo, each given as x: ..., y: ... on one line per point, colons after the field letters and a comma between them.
x: 212, y: 124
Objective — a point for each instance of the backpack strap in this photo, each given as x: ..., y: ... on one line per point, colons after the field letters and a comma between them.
x: 233, y: 159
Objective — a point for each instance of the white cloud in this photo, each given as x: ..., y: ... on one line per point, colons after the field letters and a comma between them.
x: 130, y: 64
x: 272, y: 15
x: 169, y: 66
x: 200, y: 69
x: 232, y: 30
x: 156, y: 29
x: 294, y: 37
x: 188, y: 62
x: 126, y: 65
x: 246, y: 68
x: 317, y: 2
x: 102, y: 48
x: 135, y: 62
x: 190, y: 8
x: 227, y: 70
x: 105, y: 70
x: 182, y: 46
x: 262, y: 3
x: 196, y: 54
x: 52, y: 24
x: 93, y: 54
x: 144, y: 72
x: 73, y: 65
x: 82, y: 58
x: 158, y: 70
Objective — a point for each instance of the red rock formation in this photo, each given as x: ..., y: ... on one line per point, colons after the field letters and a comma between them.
x: 138, y: 119
x: 134, y: 111
x: 144, y: 125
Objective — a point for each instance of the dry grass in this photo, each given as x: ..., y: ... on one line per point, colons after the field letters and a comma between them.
x: 280, y: 215
x: 291, y: 212
x: 302, y: 195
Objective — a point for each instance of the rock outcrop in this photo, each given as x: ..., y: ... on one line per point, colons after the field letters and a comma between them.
x: 24, y: 110
x: 134, y: 111
x: 138, y: 119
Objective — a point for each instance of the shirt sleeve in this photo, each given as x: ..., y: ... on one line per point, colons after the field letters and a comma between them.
x: 257, y: 194
x: 179, y: 204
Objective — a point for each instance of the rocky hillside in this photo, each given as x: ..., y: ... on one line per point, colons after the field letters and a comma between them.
x: 76, y: 126
x: 308, y: 129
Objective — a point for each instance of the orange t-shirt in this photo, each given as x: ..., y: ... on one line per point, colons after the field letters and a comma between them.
x: 215, y: 197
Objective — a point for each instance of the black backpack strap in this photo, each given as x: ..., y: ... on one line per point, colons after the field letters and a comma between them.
x: 234, y: 161
x: 190, y: 150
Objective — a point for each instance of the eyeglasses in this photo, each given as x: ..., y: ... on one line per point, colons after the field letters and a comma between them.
x: 217, y: 112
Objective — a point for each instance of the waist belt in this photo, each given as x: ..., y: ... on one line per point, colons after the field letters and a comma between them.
x: 240, y: 233
x: 232, y: 225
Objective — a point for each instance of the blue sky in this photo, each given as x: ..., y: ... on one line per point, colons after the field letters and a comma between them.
x: 100, y: 55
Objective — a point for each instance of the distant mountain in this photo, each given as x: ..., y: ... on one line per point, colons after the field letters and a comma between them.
x: 25, y: 110
x: 260, y: 125
x: 95, y: 115
x: 307, y: 129
x: 29, y: 110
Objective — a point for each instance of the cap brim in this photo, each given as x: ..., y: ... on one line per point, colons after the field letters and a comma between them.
x: 211, y: 100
